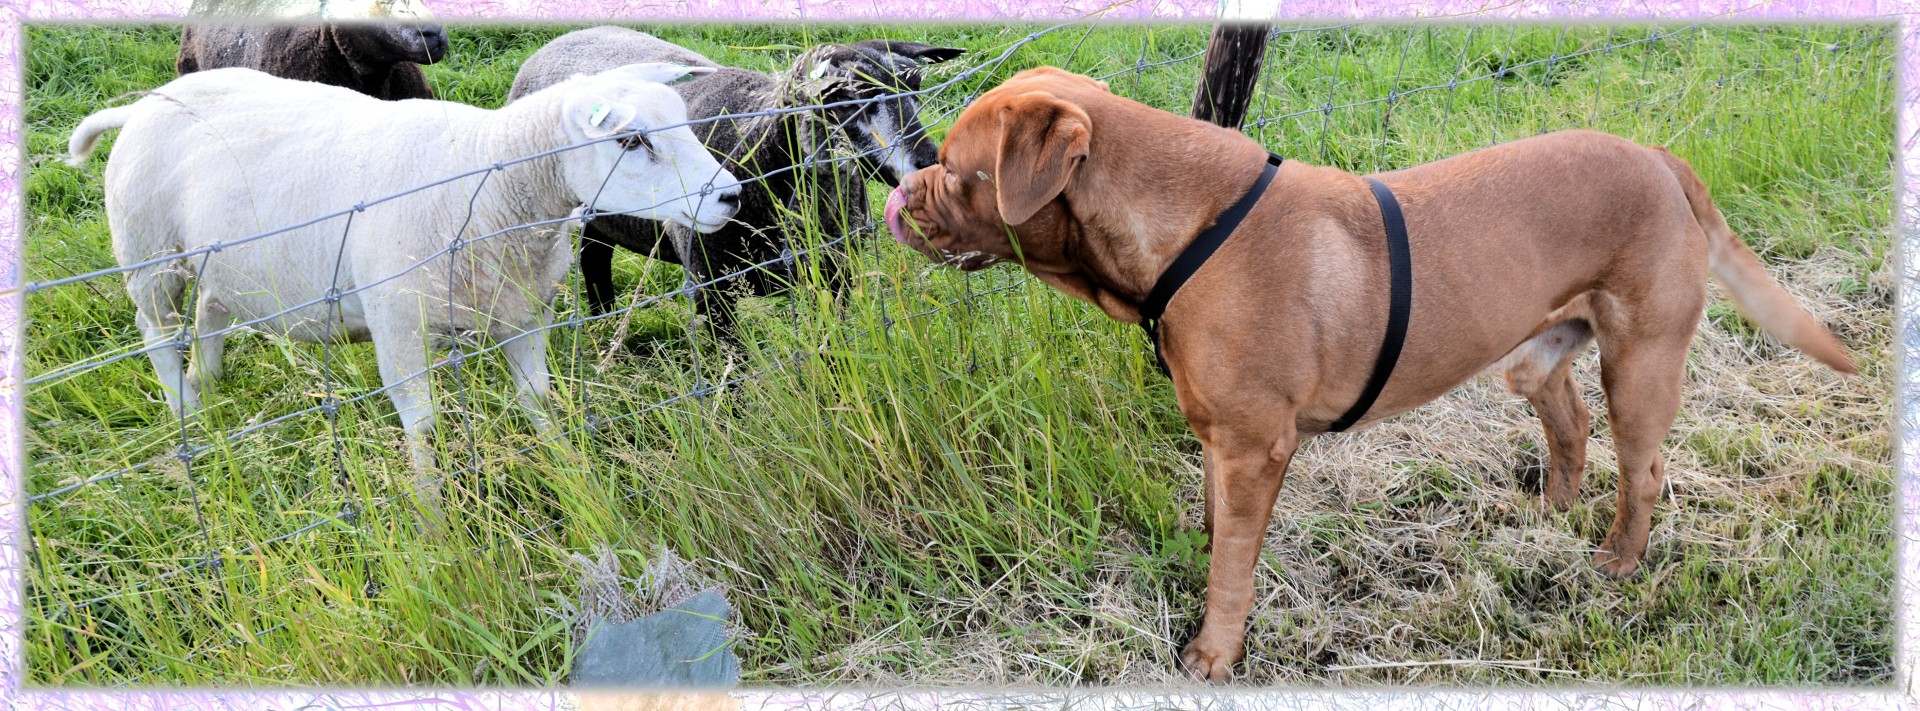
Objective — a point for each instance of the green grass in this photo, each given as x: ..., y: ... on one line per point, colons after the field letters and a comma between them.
x: 1002, y: 492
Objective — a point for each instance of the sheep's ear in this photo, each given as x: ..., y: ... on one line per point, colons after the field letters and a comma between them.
x: 835, y: 89
x: 660, y: 72
x: 596, y: 115
x: 923, y: 53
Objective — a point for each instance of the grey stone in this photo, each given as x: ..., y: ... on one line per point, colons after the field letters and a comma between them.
x: 683, y: 646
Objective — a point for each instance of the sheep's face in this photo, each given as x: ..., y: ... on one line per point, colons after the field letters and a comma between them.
x: 374, y: 43
x: 656, y: 169
x: 885, y: 131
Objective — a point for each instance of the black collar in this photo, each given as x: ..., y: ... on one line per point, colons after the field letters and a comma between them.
x: 1400, y: 298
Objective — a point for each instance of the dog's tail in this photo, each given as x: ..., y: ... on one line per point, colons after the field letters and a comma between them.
x: 1754, y: 291
x: 90, y: 129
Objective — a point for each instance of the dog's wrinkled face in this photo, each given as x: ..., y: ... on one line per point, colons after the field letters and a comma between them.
x: 887, y: 133
x: 997, y: 192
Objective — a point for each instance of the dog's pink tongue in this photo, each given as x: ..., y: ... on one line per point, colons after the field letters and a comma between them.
x: 895, y: 201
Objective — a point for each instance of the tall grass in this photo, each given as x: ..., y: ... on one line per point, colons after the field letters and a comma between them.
x: 960, y: 479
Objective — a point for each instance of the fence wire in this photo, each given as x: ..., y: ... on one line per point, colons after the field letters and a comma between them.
x: 1314, y: 117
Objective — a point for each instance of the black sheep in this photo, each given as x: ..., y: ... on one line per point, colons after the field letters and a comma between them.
x: 381, y: 60
x: 836, y: 149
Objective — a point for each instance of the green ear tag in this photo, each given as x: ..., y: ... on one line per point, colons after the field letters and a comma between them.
x: 599, y: 114
x: 819, y: 70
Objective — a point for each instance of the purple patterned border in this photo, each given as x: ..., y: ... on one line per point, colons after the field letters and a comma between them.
x: 1907, y: 227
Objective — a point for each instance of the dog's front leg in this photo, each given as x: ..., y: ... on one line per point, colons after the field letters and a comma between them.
x: 1245, y: 472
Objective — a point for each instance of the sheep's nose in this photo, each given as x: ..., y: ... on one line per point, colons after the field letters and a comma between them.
x: 925, y: 154
x: 435, y: 38
x: 729, y: 199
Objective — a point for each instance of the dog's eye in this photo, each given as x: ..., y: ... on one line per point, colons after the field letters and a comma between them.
x: 636, y: 140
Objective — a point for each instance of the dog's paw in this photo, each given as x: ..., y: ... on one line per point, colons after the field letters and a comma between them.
x: 1615, y: 566
x: 1561, y: 498
x: 1208, y: 665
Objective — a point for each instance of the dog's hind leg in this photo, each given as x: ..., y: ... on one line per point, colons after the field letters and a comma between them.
x: 1541, y: 370
x: 1642, y: 382
x: 1643, y: 359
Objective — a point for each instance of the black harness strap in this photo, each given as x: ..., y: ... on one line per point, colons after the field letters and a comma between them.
x: 1401, y: 265
x: 1196, y: 254
x: 1400, y: 299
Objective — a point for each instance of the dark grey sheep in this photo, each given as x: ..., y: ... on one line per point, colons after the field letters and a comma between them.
x: 381, y: 60
x: 882, y: 139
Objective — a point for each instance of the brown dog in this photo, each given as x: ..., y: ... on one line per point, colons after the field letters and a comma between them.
x: 1522, y: 253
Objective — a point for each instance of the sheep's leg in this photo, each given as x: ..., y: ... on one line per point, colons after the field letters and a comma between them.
x: 402, y: 352
x: 712, y: 302
x: 596, y: 268
x: 527, y: 358
x: 210, y: 317
x: 158, y: 293
x: 841, y: 214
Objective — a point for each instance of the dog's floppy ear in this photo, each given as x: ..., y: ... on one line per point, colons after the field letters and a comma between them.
x: 1042, y: 141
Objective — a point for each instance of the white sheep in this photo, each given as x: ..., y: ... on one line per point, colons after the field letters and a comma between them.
x: 213, y: 157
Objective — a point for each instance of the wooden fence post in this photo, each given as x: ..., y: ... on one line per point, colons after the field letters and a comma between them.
x: 1232, y: 68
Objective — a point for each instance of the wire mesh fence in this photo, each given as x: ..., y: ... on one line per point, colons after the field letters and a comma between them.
x: 295, y: 470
